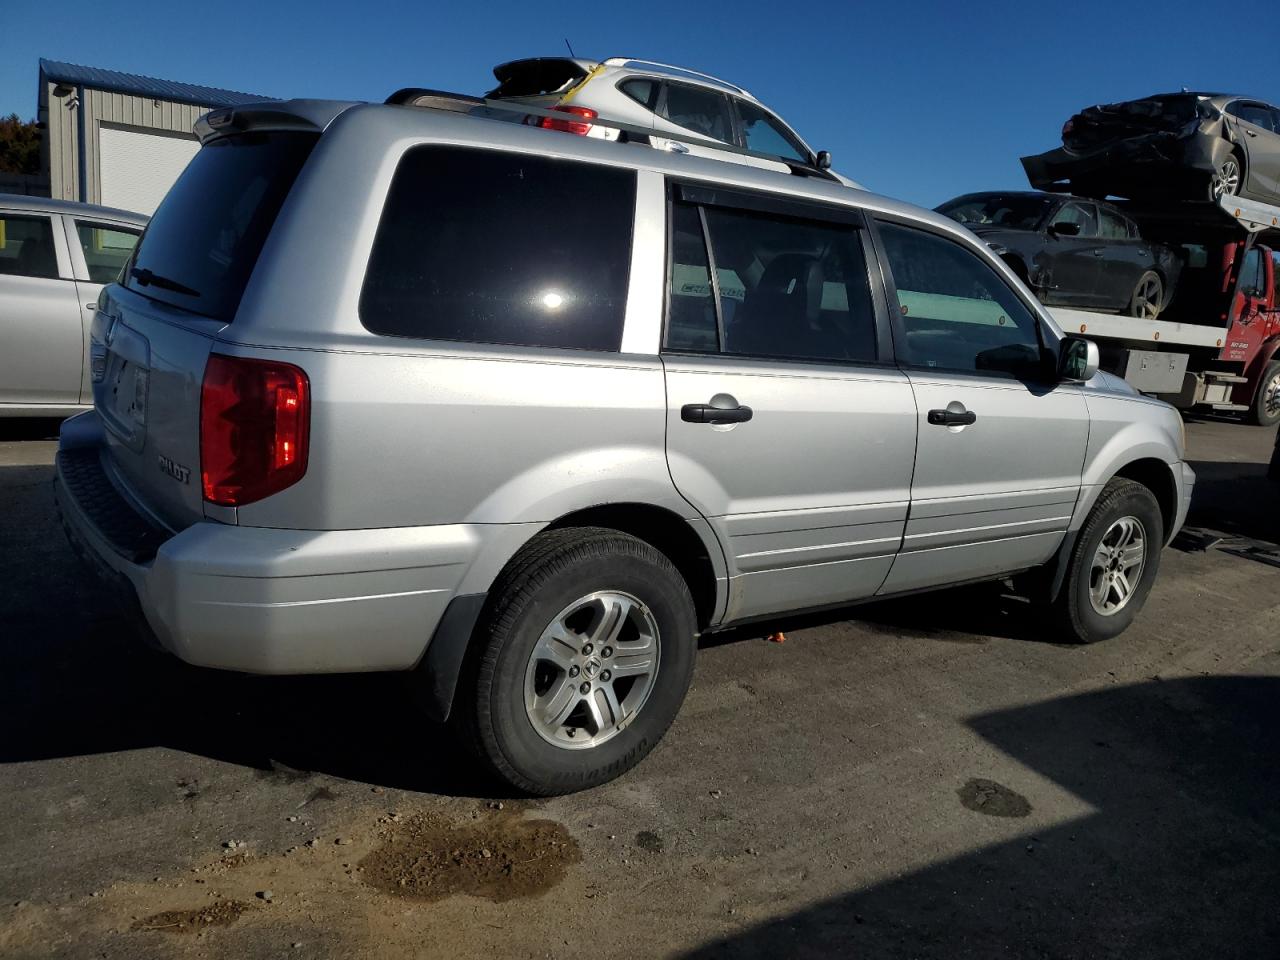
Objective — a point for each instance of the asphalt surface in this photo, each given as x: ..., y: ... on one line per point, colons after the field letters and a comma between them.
x: 924, y: 778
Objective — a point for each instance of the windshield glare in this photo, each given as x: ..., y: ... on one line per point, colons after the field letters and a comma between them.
x: 1013, y: 212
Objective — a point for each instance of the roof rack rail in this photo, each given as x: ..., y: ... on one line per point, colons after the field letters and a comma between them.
x: 424, y: 98
x: 677, y: 71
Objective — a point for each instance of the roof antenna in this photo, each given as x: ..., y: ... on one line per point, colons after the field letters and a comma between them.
x: 570, y: 46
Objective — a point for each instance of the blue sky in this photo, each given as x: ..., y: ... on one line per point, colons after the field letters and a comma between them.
x: 918, y: 100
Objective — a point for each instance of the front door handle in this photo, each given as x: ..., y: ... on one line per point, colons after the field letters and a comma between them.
x: 950, y: 418
x: 722, y: 409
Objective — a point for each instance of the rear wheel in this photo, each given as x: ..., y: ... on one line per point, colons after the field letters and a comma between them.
x: 1265, y: 411
x: 585, y: 654
x: 1148, y: 296
x: 1112, y: 565
x: 1227, y: 179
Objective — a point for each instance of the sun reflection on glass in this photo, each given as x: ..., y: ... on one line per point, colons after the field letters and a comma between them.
x: 552, y: 300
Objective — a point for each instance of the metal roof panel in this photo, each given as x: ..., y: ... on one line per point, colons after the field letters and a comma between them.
x: 132, y: 83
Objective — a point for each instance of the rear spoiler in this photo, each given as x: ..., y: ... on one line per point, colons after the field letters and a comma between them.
x: 425, y: 98
x: 302, y: 115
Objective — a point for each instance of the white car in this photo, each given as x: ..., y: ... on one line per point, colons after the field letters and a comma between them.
x: 657, y: 98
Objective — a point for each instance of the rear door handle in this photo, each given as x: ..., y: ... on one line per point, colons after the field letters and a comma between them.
x: 949, y: 418
x: 1251, y: 133
x: 707, y: 413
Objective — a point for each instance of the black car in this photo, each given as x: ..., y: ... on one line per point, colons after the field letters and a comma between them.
x: 1072, y: 251
x: 1193, y: 146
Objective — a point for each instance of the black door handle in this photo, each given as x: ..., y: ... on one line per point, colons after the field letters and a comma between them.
x: 946, y: 418
x: 706, y: 413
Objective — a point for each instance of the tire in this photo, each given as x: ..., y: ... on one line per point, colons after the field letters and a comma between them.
x: 1265, y: 410
x: 1148, y: 296
x: 1228, y: 179
x: 577, y: 579
x: 1074, y: 613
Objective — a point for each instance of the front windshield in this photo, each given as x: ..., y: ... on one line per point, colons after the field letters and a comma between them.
x: 1014, y: 212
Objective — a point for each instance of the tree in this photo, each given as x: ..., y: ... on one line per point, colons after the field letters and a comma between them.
x: 19, y: 145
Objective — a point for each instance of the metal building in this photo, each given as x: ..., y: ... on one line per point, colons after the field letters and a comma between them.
x: 119, y: 139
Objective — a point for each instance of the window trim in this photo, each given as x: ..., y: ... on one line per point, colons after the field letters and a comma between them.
x: 774, y: 205
x: 1049, y: 345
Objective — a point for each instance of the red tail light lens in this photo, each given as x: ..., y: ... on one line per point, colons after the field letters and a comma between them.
x: 569, y: 126
x: 254, y: 420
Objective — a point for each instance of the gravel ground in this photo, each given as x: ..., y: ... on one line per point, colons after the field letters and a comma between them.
x: 922, y: 778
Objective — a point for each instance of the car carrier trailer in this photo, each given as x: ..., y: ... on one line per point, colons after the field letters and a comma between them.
x: 1216, y: 345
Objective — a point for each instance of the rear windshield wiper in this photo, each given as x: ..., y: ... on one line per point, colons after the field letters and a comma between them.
x: 149, y: 279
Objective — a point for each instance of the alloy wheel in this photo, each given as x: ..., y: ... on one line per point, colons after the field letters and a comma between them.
x: 1117, y: 566
x: 1227, y: 180
x: 592, y: 670
x: 1146, y: 299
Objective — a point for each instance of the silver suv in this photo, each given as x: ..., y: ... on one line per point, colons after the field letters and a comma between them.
x: 522, y: 414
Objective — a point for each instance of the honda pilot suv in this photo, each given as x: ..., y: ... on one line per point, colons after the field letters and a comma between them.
x: 386, y: 388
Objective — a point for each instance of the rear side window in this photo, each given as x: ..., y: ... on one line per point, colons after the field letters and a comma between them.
x: 492, y: 247
x: 201, y: 246
x: 640, y: 90
x: 1112, y: 226
x: 105, y: 249
x: 26, y: 247
x: 788, y: 288
x: 702, y: 111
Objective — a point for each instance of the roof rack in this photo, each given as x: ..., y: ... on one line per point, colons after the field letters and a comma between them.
x: 424, y: 98
x: 675, y: 71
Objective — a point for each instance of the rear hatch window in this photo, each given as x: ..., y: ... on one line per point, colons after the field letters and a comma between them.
x: 200, y: 248
x: 535, y: 78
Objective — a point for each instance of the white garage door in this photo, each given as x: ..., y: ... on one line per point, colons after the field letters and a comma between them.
x: 139, y: 168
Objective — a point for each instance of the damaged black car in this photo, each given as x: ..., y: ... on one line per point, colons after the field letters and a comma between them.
x: 1189, y: 146
x: 1073, y: 251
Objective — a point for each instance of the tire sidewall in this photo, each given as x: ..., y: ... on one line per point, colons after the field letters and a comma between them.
x: 1091, y: 625
x: 1260, y: 415
x: 532, y: 757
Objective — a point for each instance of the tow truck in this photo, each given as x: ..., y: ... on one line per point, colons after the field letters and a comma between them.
x: 1216, y: 346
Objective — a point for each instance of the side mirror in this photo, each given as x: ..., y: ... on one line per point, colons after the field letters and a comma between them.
x: 1065, y: 228
x: 823, y: 159
x: 1077, y: 360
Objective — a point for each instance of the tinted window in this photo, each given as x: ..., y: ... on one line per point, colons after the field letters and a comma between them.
x: 957, y: 313
x: 691, y: 312
x: 765, y: 134
x: 788, y: 288
x: 1111, y: 226
x: 200, y: 248
x: 1253, y: 275
x: 702, y: 111
x: 1081, y: 214
x: 105, y: 249
x: 1254, y: 113
x: 26, y: 247
x: 641, y: 91
x: 492, y: 247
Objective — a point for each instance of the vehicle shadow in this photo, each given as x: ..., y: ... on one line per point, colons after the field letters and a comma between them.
x: 1179, y: 858
x: 1236, y: 499
x: 75, y: 680
x: 29, y: 428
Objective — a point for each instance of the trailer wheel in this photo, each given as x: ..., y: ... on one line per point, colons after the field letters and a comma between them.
x: 1148, y: 296
x: 1265, y: 411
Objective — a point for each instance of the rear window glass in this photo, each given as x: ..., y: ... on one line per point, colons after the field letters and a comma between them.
x: 200, y: 248
x: 492, y: 247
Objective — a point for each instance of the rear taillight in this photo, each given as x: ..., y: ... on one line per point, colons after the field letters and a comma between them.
x: 254, y: 420
x: 569, y: 126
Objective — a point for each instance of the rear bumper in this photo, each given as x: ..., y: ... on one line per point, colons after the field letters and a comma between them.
x: 265, y: 600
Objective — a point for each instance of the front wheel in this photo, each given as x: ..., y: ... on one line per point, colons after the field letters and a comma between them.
x: 1227, y: 179
x: 1112, y: 565
x: 1148, y: 296
x: 1265, y: 411
x: 584, y: 657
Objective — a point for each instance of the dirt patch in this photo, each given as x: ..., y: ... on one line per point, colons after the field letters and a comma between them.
x: 993, y: 799
x: 649, y: 841
x: 429, y: 858
x: 190, y: 921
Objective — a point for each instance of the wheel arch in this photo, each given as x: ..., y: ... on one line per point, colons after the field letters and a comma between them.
x: 1156, y: 476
